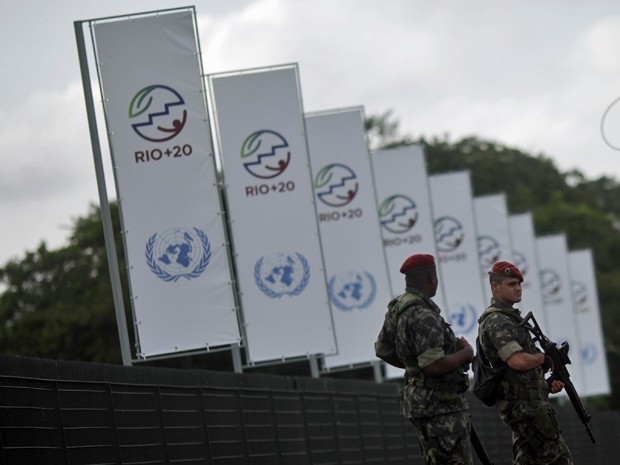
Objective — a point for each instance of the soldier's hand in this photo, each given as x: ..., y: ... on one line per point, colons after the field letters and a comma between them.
x: 547, y: 364
x: 555, y: 386
x: 467, y: 348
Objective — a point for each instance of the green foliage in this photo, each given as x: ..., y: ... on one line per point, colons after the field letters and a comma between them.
x: 58, y: 304
x: 382, y: 132
x: 527, y: 180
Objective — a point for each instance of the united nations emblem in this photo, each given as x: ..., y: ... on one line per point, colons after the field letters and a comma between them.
x: 352, y: 289
x: 281, y: 274
x: 588, y: 354
x: 178, y: 253
x: 464, y: 318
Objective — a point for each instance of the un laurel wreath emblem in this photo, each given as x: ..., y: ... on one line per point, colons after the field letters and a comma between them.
x: 352, y: 289
x: 282, y: 274
x: 178, y: 253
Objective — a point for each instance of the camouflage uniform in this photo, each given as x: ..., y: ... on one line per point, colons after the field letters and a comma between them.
x: 523, y: 399
x: 415, y: 335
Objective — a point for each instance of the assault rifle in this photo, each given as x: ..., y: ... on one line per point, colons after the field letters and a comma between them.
x: 559, y: 357
x: 479, y: 448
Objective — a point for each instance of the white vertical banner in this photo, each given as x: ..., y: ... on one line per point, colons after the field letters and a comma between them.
x: 457, y: 249
x: 275, y: 233
x: 405, y: 216
x: 491, y: 215
x: 162, y: 152
x: 587, y: 318
x: 347, y: 212
x: 558, y: 300
x: 525, y: 257
x: 405, y: 212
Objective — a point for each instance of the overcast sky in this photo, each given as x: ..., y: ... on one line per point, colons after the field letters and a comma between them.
x: 541, y: 76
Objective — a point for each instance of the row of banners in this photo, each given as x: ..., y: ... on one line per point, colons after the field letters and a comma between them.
x: 297, y: 252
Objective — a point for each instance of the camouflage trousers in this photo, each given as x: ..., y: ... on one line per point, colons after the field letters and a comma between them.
x: 536, y: 435
x: 445, y: 439
x: 541, y: 451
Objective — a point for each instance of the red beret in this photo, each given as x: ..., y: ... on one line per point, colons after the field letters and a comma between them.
x: 507, y: 270
x: 417, y: 262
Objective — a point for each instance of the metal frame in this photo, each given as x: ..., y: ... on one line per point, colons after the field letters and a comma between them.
x: 106, y: 217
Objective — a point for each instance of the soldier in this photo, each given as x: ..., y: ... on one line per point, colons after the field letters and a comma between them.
x: 523, y: 393
x: 415, y: 337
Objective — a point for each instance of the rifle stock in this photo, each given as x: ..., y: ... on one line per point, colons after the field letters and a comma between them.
x: 559, y: 357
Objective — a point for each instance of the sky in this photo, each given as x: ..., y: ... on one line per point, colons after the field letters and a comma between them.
x: 543, y: 77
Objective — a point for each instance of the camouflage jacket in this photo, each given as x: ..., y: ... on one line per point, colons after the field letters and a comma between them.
x: 413, y: 336
x: 500, y: 338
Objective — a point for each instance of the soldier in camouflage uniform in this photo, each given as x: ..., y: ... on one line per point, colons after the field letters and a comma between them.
x: 415, y: 337
x: 523, y: 393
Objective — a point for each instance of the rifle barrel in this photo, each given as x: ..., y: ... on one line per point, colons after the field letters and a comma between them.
x: 479, y: 448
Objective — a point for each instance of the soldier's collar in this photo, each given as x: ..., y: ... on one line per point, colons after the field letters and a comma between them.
x: 502, y: 305
x: 426, y: 299
x: 415, y: 291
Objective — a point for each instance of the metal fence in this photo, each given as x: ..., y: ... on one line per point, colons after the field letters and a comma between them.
x: 54, y: 412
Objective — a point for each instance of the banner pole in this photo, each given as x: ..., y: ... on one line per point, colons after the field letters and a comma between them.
x: 377, y: 372
x: 313, y: 359
x: 236, y: 358
x: 106, y: 217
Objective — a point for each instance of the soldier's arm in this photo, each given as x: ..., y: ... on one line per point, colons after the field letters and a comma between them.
x: 501, y: 332
x: 388, y: 354
x: 385, y: 350
x: 522, y: 361
x: 425, y: 329
x: 451, y: 361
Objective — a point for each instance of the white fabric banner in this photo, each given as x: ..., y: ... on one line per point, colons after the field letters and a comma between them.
x: 491, y: 214
x: 347, y: 211
x: 457, y: 248
x: 405, y: 216
x: 524, y: 256
x: 587, y: 318
x: 558, y: 300
x: 175, y: 245
x: 275, y: 233
x: 405, y: 212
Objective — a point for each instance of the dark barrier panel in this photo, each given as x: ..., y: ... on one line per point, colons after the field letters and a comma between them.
x: 55, y: 412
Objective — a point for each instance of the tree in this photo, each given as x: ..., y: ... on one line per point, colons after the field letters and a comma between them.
x: 526, y: 179
x: 382, y: 131
x: 58, y: 304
